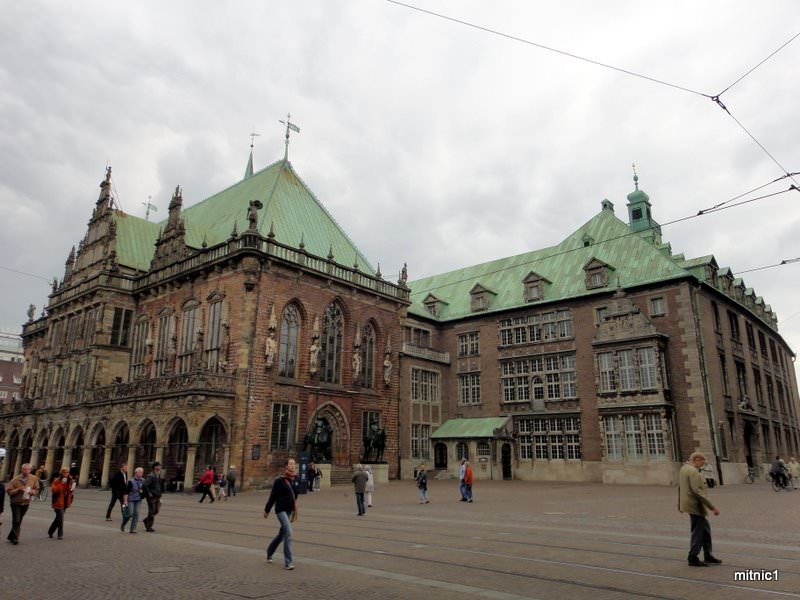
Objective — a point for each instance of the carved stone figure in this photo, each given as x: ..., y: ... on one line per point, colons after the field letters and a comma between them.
x: 387, y: 371
x: 403, y: 275
x: 198, y: 353
x: 31, y: 312
x: 172, y: 353
x: 271, y: 349
x: 148, y: 359
x: 356, y: 364
x: 313, y: 352
x: 252, y: 216
x: 226, y: 343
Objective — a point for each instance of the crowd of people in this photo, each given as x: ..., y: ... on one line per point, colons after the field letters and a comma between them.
x: 132, y: 492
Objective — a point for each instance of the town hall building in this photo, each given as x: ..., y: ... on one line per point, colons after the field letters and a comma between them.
x: 244, y: 323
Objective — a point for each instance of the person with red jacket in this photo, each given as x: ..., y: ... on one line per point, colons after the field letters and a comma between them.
x: 206, y: 481
x: 468, y: 476
x: 61, y: 489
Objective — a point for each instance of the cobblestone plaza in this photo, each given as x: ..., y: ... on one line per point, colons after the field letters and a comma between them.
x: 518, y: 540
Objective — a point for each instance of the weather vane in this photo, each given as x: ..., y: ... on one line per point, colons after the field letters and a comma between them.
x: 149, y: 207
x: 289, y: 127
x: 253, y: 137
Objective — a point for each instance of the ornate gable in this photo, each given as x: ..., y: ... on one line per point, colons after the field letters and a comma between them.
x: 171, y: 245
x: 624, y: 321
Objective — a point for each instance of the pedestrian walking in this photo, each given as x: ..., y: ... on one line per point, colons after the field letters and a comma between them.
x: 232, y: 475
x: 794, y: 472
x: 359, y: 480
x: 284, y: 498
x: 468, y: 476
x: 422, y: 485
x: 461, y: 486
x: 20, y: 491
x: 132, y: 500
x: 692, y: 499
x: 153, y: 488
x: 221, y: 487
x: 2, y: 499
x: 370, y: 487
x: 206, y: 481
x: 60, y: 500
x: 311, y: 474
x: 119, y: 486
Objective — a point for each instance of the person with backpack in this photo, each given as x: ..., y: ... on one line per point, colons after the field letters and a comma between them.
x: 422, y: 485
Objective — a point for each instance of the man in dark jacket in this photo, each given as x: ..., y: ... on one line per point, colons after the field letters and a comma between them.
x: 153, y: 488
x: 360, y: 478
x: 119, y: 487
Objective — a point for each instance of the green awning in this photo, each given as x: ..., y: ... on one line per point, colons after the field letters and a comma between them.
x: 469, y: 428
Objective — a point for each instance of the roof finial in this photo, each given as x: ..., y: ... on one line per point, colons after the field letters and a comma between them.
x: 302, y: 241
x: 289, y: 127
x: 330, y: 252
x: 635, y: 176
x: 248, y: 171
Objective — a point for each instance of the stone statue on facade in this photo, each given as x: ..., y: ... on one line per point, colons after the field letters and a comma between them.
x: 172, y: 354
x: 252, y: 214
x: 403, y: 275
x: 198, y: 354
x: 148, y: 358
x: 357, y: 354
x: 271, y: 349
x: 31, y: 312
x: 387, y: 363
x: 222, y: 361
x: 313, y: 351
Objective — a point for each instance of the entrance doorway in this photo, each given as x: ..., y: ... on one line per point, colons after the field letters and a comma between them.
x: 506, y: 454
x: 440, y: 456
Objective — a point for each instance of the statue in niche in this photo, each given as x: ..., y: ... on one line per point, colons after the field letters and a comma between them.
x: 314, y: 349
x: 387, y: 363
x: 172, y: 353
x: 222, y: 361
x: 148, y: 358
x: 357, y: 354
x: 198, y: 354
x: 271, y: 349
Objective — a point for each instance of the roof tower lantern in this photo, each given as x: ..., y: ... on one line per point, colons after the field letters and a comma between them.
x: 640, y: 215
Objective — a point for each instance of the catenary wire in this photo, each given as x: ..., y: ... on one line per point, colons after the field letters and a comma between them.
x: 781, y: 47
x: 25, y: 273
x: 785, y: 261
x: 713, y: 98
x: 549, y: 48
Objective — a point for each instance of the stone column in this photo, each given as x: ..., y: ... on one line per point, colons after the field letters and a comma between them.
x: 3, y: 469
x: 131, y: 460
x: 49, y: 461
x: 159, y: 455
x: 34, y: 459
x: 18, y: 462
x: 66, y: 458
x: 86, y: 462
x: 106, y: 467
x: 188, y: 478
x: 226, y: 459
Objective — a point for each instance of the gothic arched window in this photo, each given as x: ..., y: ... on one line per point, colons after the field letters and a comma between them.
x: 368, y: 355
x: 287, y: 353
x: 331, y: 344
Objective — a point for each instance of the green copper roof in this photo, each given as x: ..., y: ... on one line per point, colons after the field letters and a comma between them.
x: 634, y: 260
x: 288, y: 206
x: 288, y: 203
x: 469, y: 428
x: 136, y: 240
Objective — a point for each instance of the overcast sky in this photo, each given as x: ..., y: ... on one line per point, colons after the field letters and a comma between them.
x: 430, y: 142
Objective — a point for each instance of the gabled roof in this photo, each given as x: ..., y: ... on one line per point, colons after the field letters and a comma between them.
x: 289, y: 207
x: 636, y: 261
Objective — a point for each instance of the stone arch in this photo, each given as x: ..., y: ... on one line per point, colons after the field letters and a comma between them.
x: 177, y: 437
x: 12, y: 452
x: 98, y: 442
x: 76, y: 441
x: 120, y: 440
x: 340, y: 431
x: 211, y: 444
x: 145, y: 441
x: 58, y: 441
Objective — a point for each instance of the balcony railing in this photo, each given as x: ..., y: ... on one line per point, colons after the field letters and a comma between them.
x: 168, y: 385
x: 426, y: 353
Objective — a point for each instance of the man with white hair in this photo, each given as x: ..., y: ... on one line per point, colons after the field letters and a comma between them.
x: 21, y: 489
x: 360, y: 478
x: 692, y: 499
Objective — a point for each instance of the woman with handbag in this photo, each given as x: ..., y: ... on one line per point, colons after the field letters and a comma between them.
x: 284, y: 498
x: 61, y: 489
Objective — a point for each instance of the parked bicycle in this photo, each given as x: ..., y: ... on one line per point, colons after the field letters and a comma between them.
x: 752, y: 474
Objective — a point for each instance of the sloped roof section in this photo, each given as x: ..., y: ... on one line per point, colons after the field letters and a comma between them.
x: 636, y: 261
x: 469, y: 428
x: 289, y: 207
x: 136, y: 240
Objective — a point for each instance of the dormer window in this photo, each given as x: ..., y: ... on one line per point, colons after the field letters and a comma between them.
x: 433, y: 304
x: 597, y: 274
x: 481, y: 297
x: 534, y: 287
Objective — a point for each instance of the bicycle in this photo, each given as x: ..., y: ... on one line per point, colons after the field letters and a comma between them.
x: 779, y: 484
x: 44, y: 493
x: 752, y: 474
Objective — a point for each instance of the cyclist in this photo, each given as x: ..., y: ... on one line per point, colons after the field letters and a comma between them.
x: 778, y: 472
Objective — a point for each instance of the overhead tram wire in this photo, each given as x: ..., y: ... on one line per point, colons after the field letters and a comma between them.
x: 25, y: 273
x: 549, y: 48
x: 786, y: 261
x: 773, y: 53
x: 713, y: 97
x: 722, y: 206
x: 755, y: 189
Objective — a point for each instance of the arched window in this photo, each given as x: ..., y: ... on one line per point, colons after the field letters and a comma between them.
x: 368, y: 355
x: 538, y: 388
x: 462, y: 451
x: 331, y: 344
x: 287, y: 352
